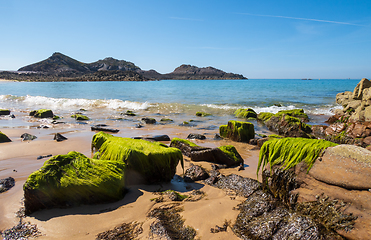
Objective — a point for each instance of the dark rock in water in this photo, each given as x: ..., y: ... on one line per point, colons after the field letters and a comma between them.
x: 6, y: 184
x: 211, y: 127
x: 217, y: 137
x: 42, y: 113
x: 138, y: 126
x: 12, y: 116
x: 59, y: 137
x: 195, y: 173
x: 253, y: 141
x: 4, y: 138
x: 43, y: 156
x: 101, y: 125
x: 155, y: 138
x: 43, y: 126
x: 149, y: 120
x: 28, y: 137
x: 196, y: 136
x: 4, y: 112
x: 99, y: 128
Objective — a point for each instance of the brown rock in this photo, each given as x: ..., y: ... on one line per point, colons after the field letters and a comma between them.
x: 333, y: 118
x: 319, y: 130
x: 367, y: 113
x: 359, y: 130
x: 346, y: 166
x: 335, y: 128
x: 344, y: 98
x: 358, y: 91
x: 367, y: 140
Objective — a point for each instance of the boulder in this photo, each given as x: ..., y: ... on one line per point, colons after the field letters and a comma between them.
x: 195, y: 173
x: 237, y: 131
x: 367, y: 114
x: 104, y: 129
x: 288, y: 126
x: 4, y: 138
x: 4, y: 112
x: 73, y: 179
x: 59, y: 137
x: 80, y: 117
x: 149, y: 120
x: 358, y: 90
x: 155, y: 161
x: 346, y: 166
x: 202, y: 114
x: 196, y: 136
x: 28, y: 137
x: 245, y: 113
x: 187, y: 147
x: 344, y: 98
x: 6, y: 184
x: 42, y: 113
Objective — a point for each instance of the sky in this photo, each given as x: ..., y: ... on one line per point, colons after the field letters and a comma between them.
x: 324, y: 39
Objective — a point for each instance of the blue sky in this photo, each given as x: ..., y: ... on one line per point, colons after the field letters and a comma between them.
x: 259, y: 39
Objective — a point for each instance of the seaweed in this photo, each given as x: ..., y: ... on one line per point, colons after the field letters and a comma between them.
x: 169, y: 224
x: 231, y: 152
x: 191, y: 144
x: 154, y: 160
x: 245, y: 113
x: 264, y: 116
x: 124, y: 231
x: 202, y: 114
x: 291, y: 151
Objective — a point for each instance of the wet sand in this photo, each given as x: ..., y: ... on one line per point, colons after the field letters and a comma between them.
x: 19, y: 159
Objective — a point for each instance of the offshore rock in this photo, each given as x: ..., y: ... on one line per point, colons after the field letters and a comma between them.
x: 42, y: 113
x: 28, y: 137
x: 4, y: 112
x: 237, y: 131
x: 4, y: 138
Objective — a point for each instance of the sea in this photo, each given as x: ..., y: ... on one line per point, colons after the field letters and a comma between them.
x: 178, y: 100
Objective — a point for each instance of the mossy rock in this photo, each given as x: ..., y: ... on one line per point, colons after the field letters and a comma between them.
x: 264, y: 116
x: 4, y: 112
x: 4, y: 138
x: 130, y: 113
x: 74, y: 179
x: 55, y: 117
x: 154, y: 160
x: 237, y: 131
x: 202, y: 114
x: 166, y: 120
x: 42, y: 113
x: 288, y: 152
x: 80, y: 117
x: 245, y: 113
x: 175, y: 141
x: 298, y: 113
x: 231, y: 152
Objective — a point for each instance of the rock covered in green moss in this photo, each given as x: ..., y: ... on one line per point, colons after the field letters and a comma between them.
x: 288, y: 152
x: 237, y: 131
x: 4, y: 112
x: 202, y: 114
x: 245, y: 113
x: 4, y: 138
x: 264, y: 116
x: 80, y: 117
x: 73, y: 179
x: 42, y: 113
x: 153, y: 160
x: 186, y: 146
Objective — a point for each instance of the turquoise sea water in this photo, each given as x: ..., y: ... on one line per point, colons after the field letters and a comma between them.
x: 175, y: 97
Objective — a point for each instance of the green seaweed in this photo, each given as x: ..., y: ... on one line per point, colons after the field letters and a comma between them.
x: 4, y: 138
x: 80, y: 117
x: 74, y: 177
x: 98, y: 139
x: 154, y: 160
x: 291, y: 151
x: 245, y: 113
x: 264, y: 116
x: 231, y: 151
x: 202, y: 114
x: 298, y: 113
x: 166, y: 120
x: 237, y: 131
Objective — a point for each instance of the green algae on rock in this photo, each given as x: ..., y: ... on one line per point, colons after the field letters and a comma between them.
x: 291, y: 151
x: 42, y: 113
x: 202, y: 114
x: 231, y: 152
x: 80, y: 117
x: 245, y: 113
x: 4, y: 112
x: 264, y: 116
x: 73, y: 179
x: 4, y: 138
x: 155, y: 161
x: 237, y: 131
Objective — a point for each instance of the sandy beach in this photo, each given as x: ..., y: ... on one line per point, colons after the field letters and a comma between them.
x: 19, y: 159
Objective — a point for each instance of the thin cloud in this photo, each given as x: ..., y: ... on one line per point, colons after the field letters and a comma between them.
x: 187, y: 19
x: 303, y: 19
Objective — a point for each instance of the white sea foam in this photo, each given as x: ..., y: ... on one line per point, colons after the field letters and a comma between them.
x: 73, y: 103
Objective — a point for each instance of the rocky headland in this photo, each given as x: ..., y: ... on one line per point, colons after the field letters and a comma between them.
x: 60, y: 67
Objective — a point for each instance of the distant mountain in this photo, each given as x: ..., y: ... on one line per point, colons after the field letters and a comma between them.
x: 60, y: 67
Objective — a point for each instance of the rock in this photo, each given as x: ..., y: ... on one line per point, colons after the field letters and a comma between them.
x: 166, y: 120
x: 264, y: 116
x: 6, y: 184
x: 357, y: 93
x: 155, y: 161
x: 344, y: 98
x: 98, y: 128
x: 4, y: 138
x: 28, y: 137
x: 43, y: 156
x: 367, y: 114
x: 42, y: 113
x: 288, y: 126
x: 335, y: 128
x: 227, y: 155
x: 367, y: 140
x: 261, y: 141
x: 245, y: 113
x: 187, y: 147
x: 196, y: 136
x: 73, y: 179
x: 319, y: 131
x: 352, y: 105
x: 237, y: 131
x: 59, y: 137
x: 202, y: 114
x: 138, y: 126
x: 129, y: 113
x: 195, y: 173
x: 4, y: 112
x: 346, y: 166
x: 149, y: 120
x: 155, y: 138
x: 80, y: 117
x: 359, y: 130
